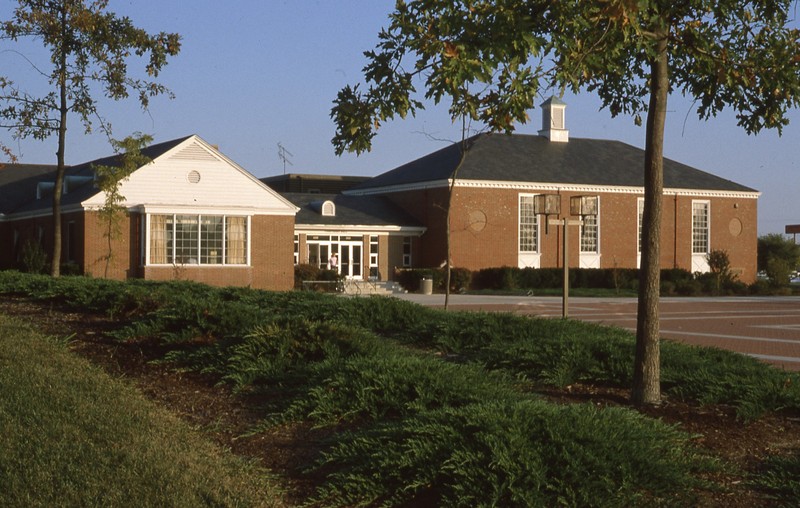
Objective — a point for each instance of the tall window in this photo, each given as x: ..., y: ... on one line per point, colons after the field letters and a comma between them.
x: 406, y: 251
x: 211, y: 239
x: 589, y: 234
x: 373, y: 256
x: 184, y: 241
x: 700, y: 227
x: 528, y: 225
x: 641, y: 220
x: 198, y: 239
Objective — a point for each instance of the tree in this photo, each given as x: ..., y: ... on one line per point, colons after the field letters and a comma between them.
x: 89, y: 49
x: 779, y: 257
x: 489, y: 59
x: 109, y: 178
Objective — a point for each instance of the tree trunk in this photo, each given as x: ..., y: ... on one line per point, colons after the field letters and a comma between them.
x: 450, y: 190
x: 55, y: 262
x: 646, y: 375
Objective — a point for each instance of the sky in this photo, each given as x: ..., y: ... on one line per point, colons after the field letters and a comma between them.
x: 255, y: 74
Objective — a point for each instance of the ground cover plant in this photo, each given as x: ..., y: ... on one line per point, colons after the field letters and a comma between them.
x: 419, y: 406
x: 74, y: 436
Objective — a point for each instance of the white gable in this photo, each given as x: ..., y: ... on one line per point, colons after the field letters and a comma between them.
x: 195, y: 177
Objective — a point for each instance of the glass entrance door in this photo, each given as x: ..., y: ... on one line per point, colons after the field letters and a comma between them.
x: 350, y: 260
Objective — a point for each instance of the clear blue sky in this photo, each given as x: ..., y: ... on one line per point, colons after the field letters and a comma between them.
x: 253, y: 74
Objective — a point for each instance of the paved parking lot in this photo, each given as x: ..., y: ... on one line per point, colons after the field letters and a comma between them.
x: 767, y: 328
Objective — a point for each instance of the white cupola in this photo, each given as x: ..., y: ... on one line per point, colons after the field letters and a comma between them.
x: 554, y: 121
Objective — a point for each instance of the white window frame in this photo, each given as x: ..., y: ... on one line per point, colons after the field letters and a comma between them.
x: 590, y: 258
x: 700, y: 258
x: 199, y: 216
x: 640, y: 230
x: 407, y: 244
x: 528, y: 257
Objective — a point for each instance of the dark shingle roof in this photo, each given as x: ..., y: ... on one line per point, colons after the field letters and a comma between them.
x: 350, y: 210
x: 529, y: 158
x: 18, y: 182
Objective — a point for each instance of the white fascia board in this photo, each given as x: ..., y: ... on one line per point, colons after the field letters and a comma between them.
x: 324, y: 229
x: 194, y: 210
x: 610, y: 189
x: 556, y: 187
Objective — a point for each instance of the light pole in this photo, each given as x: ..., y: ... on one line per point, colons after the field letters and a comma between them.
x: 581, y: 206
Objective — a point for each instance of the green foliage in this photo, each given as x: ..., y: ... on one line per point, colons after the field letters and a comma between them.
x: 779, y: 478
x: 777, y: 246
x: 74, y: 436
x: 33, y: 257
x: 720, y: 266
x: 715, y: 376
x: 108, y: 179
x: 779, y: 271
x: 306, y: 272
x: 90, y: 50
x: 503, y: 453
x: 778, y: 257
x: 491, y: 59
x: 441, y: 406
x: 98, y: 51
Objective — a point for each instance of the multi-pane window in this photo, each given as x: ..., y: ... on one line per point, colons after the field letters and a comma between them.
x: 589, y: 234
x: 373, y: 256
x: 296, y: 249
x: 700, y: 227
x: 406, y: 251
x: 641, y: 220
x: 528, y: 225
x: 211, y: 240
x: 198, y: 239
x: 184, y: 238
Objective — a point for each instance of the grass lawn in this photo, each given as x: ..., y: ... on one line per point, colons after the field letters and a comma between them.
x: 71, y: 435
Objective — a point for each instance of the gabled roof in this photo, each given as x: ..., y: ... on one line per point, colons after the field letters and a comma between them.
x: 350, y: 211
x: 530, y: 158
x: 18, y: 182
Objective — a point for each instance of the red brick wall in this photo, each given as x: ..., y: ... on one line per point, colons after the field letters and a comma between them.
x: 122, y: 263
x: 273, y: 252
x: 485, y: 230
x: 428, y: 207
x: 271, y: 265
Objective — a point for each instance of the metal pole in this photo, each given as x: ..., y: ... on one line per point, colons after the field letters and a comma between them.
x: 565, y: 298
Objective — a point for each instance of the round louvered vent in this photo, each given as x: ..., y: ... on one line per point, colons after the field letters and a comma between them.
x: 193, y: 176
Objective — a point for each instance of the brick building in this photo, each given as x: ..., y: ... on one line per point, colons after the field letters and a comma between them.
x: 195, y: 214
x: 192, y: 214
x: 494, y: 193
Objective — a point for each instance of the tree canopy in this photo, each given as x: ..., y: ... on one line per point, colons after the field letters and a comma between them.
x: 90, y: 50
x: 491, y: 58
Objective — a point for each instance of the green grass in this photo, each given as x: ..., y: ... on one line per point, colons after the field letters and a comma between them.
x: 70, y: 435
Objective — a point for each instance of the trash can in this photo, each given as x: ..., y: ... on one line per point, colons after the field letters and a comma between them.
x: 426, y: 286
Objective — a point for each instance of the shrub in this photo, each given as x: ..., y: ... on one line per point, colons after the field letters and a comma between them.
x: 511, y: 453
x: 33, y: 257
x: 306, y: 272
